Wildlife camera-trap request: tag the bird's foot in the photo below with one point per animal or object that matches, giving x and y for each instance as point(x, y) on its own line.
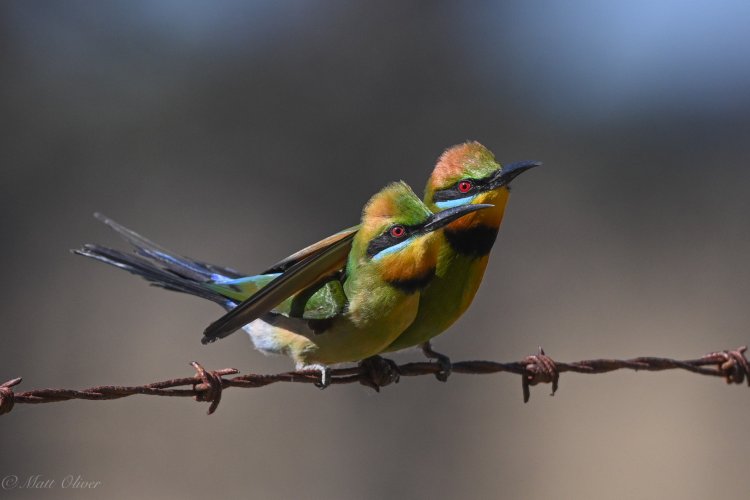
point(325, 377)
point(325, 374)
point(444, 361)
point(378, 372)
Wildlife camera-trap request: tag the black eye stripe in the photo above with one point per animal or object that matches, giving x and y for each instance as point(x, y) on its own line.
point(386, 240)
point(453, 193)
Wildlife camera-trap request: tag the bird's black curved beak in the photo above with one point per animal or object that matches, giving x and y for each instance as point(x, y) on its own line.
point(511, 171)
point(440, 219)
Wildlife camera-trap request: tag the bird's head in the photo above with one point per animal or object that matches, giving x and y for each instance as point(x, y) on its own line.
point(396, 237)
point(469, 174)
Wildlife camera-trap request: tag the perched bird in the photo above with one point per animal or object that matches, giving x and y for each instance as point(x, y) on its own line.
point(465, 174)
point(340, 317)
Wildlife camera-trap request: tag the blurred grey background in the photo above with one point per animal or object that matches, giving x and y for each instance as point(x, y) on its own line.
point(237, 132)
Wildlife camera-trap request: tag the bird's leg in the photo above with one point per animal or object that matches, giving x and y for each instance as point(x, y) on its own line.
point(444, 361)
point(379, 372)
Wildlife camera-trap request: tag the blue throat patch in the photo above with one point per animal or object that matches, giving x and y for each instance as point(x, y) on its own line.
point(455, 203)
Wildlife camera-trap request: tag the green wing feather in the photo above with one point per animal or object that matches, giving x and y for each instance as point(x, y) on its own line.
point(310, 250)
point(316, 268)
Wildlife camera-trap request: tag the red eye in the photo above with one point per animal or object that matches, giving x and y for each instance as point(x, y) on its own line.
point(465, 186)
point(398, 231)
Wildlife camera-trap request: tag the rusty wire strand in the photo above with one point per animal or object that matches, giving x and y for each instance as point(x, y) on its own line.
point(378, 372)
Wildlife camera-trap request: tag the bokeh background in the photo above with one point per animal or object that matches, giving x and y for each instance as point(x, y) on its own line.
point(237, 132)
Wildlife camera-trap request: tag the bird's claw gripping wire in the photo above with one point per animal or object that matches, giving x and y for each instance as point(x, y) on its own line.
point(446, 367)
point(325, 377)
point(378, 372)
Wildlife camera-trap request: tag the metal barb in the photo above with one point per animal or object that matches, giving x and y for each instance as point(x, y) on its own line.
point(213, 384)
point(539, 369)
point(733, 365)
point(7, 397)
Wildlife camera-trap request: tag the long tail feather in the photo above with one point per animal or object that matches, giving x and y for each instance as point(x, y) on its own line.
point(182, 266)
point(160, 266)
point(150, 272)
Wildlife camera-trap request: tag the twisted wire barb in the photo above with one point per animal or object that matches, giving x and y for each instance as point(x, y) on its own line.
point(377, 372)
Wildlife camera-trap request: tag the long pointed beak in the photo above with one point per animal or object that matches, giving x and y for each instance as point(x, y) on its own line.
point(511, 171)
point(440, 219)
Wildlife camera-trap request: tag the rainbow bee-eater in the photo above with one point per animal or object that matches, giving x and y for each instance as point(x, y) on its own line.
point(465, 174)
point(341, 317)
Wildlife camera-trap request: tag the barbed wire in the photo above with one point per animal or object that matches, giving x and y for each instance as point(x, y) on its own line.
point(377, 372)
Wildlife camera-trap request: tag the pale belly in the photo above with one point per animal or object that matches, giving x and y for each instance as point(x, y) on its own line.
point(347, 339)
